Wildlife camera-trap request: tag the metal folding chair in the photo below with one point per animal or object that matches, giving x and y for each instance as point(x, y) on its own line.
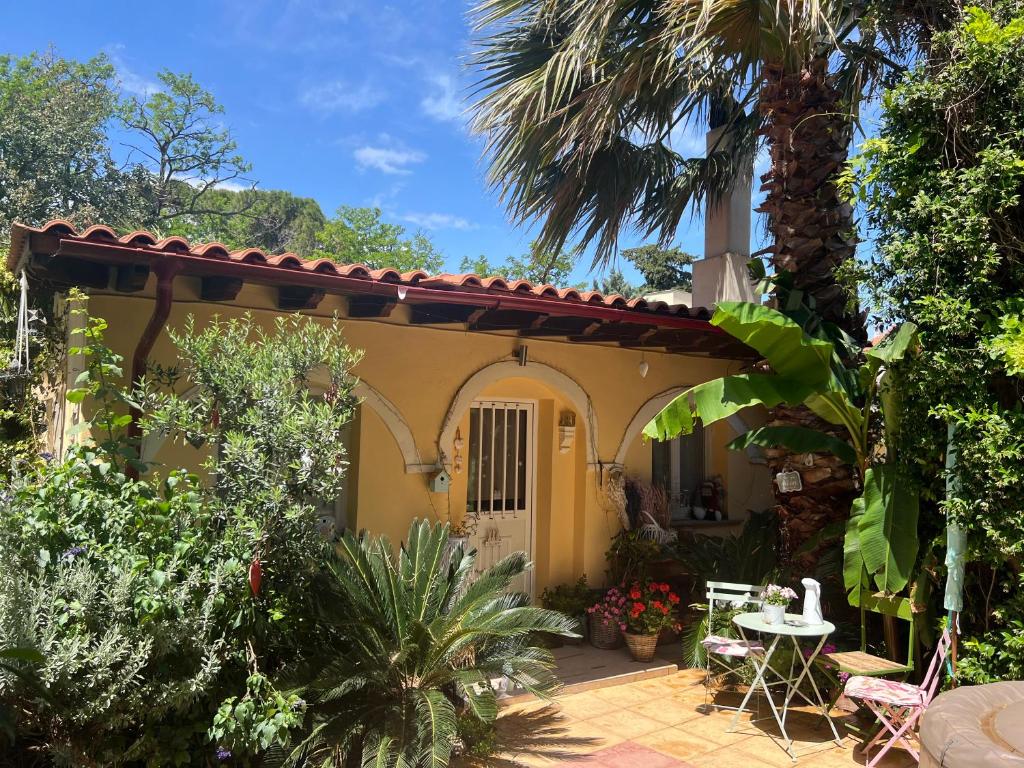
point(898, 706)
point(718, 648)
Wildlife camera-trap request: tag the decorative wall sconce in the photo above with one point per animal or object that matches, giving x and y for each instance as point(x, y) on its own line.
point(457, 459)
point(566, 431)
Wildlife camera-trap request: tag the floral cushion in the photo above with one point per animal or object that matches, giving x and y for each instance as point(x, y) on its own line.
point(731, 646)
point(884, 691)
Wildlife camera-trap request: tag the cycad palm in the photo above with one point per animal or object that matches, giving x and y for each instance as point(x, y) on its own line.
point(419, 633)
point(581, 101)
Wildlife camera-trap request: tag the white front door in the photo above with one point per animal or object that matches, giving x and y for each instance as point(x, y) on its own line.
point(501, 476)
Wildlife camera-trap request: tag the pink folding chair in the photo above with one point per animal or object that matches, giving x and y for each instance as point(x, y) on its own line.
point(898, 706)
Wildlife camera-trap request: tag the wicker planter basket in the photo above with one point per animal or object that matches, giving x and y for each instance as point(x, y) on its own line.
point(642, 647)
point(604, 635)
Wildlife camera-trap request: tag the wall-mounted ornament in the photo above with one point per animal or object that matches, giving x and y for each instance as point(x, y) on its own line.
point(789, 481)
point(644, 366)
point(566, 431)
point(457, 445)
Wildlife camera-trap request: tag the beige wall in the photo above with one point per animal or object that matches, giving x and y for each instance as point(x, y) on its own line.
point(420, 371)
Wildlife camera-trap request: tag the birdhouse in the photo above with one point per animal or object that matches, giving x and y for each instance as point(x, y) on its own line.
point(440, 481)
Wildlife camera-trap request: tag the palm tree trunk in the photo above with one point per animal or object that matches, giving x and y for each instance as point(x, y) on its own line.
point(808, 132)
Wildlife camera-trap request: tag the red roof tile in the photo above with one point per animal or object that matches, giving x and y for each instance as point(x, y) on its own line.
point(148, 247)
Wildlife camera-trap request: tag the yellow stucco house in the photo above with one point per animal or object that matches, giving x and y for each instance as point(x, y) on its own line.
point(515, 404)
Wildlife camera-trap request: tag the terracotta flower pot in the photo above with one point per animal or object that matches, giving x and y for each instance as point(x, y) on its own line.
point(642, 647)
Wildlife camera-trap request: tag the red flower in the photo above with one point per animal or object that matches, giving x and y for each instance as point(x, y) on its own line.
point(639, 607)
point(664, 588)
point(657, 604)
point(673, 598)
point(635, 593)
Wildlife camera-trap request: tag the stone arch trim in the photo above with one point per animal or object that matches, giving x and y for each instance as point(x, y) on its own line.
point(652, 407)
point(508, 369)
point(644, 414)
point(396, 424)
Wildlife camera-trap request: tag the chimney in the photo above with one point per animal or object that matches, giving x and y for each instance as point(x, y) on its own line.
point(722, 274)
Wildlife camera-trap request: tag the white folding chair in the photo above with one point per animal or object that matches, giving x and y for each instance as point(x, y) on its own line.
point(718, 648)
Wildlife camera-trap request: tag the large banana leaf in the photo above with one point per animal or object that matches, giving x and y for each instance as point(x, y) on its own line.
point(782, 342)
point(888, 528)
point(798, 440)
point(853, 560)
point(894, 347)
point(720, 398)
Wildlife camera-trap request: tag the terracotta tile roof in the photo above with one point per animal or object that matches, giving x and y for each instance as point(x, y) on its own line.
point(148, 244)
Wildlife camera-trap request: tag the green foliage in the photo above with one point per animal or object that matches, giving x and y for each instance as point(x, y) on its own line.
point(942, 185)
point(537, 266)
point(262, 718)
point(615, 282)
point(55, 159)
point(358, 236)
point(177, 136)
point(139, 593)
point(747, 557)
point(630, 557)
point(881, 538)
point(570, 599)
point(273, 220)
point(992, 655)
point(421, 634)
point(479, 738)
point(662, 268)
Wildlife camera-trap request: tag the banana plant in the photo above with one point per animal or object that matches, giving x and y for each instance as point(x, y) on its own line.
point(798, 369)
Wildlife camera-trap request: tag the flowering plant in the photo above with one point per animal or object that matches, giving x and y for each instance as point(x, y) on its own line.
point(610, 609)
point(650, 608)
point(773, 594)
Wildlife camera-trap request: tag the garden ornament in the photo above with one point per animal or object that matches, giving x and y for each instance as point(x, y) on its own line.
point(812, 603)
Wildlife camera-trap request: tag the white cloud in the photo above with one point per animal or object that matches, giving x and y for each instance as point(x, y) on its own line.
point(388, 158)
point(129, 80)
point(443, 102)
point(339, 95)
point(688, 140)
point(437, 221)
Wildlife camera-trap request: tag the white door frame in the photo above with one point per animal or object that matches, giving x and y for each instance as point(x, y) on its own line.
point(531, 407)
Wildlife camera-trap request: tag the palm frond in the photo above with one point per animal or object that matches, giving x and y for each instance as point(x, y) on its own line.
point(415, 631)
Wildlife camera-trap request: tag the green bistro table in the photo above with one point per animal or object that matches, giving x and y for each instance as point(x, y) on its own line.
point(795, 629)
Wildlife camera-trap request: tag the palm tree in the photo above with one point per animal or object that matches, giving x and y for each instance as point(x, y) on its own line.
point(420, 639)
point(583, 103)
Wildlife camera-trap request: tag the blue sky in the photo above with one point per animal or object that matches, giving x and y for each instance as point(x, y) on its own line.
point(346, 101)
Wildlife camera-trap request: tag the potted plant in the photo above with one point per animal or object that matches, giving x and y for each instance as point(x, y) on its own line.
point(774, 601)
point(651, 608)
point(607, 619)
point(572, 600)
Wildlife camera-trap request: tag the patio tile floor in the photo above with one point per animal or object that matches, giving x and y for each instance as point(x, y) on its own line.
point(660, 723)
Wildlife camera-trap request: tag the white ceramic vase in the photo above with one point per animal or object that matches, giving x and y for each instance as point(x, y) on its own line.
point(774, 614)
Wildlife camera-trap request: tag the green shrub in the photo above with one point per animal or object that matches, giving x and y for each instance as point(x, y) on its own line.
point(160, 647)
point(944, 188)
point(570, 599)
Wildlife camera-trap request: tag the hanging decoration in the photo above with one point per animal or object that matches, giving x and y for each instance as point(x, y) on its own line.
point(18, 370)
point(789, 480)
